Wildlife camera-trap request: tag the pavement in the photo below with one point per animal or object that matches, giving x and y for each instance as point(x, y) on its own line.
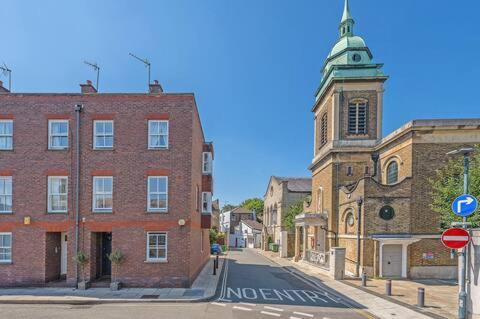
point(203, 288)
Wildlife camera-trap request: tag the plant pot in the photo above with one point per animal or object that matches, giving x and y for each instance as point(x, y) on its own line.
point(114, 286)
point(83, 285)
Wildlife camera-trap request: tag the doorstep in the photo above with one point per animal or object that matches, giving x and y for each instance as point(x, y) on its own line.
point(203, 288)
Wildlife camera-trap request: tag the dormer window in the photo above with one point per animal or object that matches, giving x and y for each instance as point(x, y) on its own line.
point(357, 117)
point(207, 163)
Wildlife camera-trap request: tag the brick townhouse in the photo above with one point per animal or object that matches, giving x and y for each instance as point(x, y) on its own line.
point(97, 173)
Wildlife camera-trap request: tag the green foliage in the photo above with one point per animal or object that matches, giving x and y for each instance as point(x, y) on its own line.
point(255, 204)
point(213, 234)
point(116, 257)
point(80, 258)
point(447, 184)
point(292, 211)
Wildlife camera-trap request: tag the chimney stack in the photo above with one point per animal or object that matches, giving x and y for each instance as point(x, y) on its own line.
point(88, 88)
point(155, 88)
point(3, 89)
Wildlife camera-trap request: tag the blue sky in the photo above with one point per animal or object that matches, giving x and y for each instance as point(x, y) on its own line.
point(253, 65)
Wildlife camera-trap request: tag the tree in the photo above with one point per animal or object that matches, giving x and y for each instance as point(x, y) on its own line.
point(447, 184)
point(292, 211)
point(255, 204)
point(228, 207)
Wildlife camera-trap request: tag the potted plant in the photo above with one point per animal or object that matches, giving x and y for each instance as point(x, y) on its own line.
point(116, 258)
point(81, 259)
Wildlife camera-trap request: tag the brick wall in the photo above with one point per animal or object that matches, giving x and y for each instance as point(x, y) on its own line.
point(129, 162)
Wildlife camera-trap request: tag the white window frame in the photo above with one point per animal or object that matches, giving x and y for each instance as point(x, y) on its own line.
point(207, 199)
point(156, 210)
point(95, 192)
point(153, 147)
point(7, 261)
point(50, 136)
point(6, 195)
point(7, 136)
point(157, 246)
point(50, 194)
point(207, 163)
point(96, 135)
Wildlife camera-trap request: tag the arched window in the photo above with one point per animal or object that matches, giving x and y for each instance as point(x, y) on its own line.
point(357, 117)
point(392, 172)
point(349, 222)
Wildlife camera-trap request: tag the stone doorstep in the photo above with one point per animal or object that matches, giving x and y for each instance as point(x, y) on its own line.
point(203, 288)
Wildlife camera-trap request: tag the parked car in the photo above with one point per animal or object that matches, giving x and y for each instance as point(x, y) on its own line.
point(215, 249)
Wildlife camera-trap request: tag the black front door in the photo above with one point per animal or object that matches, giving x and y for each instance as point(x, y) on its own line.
point(106, 251)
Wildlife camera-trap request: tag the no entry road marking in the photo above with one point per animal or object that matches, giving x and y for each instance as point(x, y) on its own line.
point(268, 294)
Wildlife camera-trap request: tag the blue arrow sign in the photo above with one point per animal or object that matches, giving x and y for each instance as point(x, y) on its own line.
point(464, 205)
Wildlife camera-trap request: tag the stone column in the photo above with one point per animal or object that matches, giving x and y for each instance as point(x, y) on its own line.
point(297, 243)
point(315, 238)
point(305, 241)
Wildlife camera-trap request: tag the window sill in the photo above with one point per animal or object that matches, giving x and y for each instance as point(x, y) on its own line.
point(6, 262)
point(57, 212)
point(158, 148)
point(6, 213)
point(102, 211)
point(156, 261)
point(157, 211)
point(6, 149)
point(103, 148)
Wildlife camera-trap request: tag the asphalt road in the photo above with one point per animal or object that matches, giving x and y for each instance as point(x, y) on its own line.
point(252, 287)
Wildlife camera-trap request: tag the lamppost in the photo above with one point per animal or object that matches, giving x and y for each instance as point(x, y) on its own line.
point(462, 257)
point(359, 227)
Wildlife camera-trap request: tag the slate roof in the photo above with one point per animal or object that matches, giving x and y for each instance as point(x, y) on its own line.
point(253, 224)
point(297, 184)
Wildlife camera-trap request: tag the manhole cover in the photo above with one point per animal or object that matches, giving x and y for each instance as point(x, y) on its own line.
point(149, 296)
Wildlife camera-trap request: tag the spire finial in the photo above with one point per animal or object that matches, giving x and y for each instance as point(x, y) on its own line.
point(346, 25)
point(346, 12)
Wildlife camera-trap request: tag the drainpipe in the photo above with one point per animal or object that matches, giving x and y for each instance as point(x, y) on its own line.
point(375, 157)
point(359, 227)
point(78, 109)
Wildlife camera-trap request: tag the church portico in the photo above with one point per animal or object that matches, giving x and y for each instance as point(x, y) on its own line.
point(311, 238)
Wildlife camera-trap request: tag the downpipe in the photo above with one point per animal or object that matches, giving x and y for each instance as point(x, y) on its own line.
point(78, 110)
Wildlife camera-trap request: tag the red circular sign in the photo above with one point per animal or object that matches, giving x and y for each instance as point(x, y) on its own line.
point(455, 238)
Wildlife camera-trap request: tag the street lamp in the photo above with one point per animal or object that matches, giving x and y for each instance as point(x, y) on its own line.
point(462, 258)
point(359, 223)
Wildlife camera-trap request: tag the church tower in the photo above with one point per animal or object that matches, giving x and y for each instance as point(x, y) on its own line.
point(349, 100)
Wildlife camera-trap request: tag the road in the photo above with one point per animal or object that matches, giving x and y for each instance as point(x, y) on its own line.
point(252, 287)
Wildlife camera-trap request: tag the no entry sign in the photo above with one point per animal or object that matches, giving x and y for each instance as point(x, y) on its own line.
point(455, 238)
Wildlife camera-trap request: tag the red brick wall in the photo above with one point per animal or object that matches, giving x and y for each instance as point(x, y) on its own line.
point(130, 162)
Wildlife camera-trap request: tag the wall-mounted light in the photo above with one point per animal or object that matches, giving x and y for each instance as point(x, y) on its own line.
point(181, 222)
point(27, 220)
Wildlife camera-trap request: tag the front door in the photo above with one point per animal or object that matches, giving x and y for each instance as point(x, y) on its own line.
point(392, 261)
point(63, 256)
point(106, 250)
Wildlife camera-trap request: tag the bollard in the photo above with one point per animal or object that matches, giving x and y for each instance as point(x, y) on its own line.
point(388, 287)
point(214, 268)
point(217, 260)
point(421, 297)
point(364, 280)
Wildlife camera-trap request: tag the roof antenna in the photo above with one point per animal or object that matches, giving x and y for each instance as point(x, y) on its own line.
point(96, 68)
point(144, 61)
point(6, 70)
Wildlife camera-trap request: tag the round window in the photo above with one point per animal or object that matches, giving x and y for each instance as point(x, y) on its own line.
point(350, 220)
point(356, 57)
point(387, 212)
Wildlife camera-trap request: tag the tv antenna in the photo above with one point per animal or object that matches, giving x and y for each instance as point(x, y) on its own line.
point(144, 61)
point(5, 71)
point(96, 68)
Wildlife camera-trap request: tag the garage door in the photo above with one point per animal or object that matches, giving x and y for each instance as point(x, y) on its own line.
point(392, 261)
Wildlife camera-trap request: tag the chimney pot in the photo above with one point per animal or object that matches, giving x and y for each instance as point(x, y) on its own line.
point(88, 88)
point(155, 87)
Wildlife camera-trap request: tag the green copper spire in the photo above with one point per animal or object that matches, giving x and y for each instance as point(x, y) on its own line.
point(346, 25)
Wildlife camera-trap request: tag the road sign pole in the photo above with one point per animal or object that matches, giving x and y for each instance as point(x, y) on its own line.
point(462, 258)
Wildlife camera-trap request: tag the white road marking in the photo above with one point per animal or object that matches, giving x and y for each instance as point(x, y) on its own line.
point(273, 308)
point(303, 314)
point(270, 313)
point(242, 308)
point(292, 317)
point(218, 304)
point(248, 304)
